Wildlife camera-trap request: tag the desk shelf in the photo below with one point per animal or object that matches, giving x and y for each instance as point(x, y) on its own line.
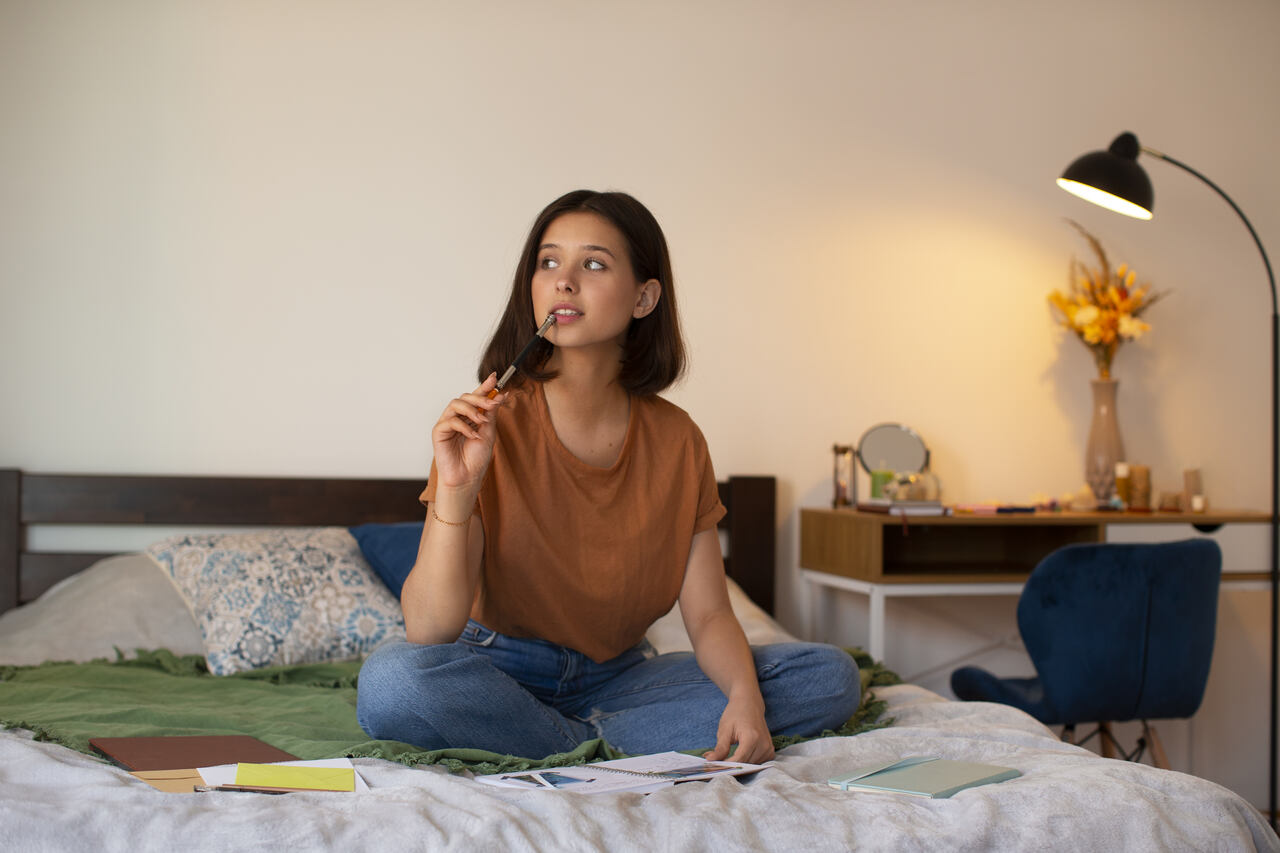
point(871, 554)
point(964, 548)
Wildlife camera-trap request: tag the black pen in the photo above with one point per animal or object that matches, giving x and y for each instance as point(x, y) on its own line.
point(542, 330)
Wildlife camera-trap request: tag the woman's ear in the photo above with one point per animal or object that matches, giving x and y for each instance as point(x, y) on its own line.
point(647, 300)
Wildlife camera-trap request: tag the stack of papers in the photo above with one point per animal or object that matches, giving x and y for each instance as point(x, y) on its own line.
point(892, 507)
point(327, 774)
point(182, 764)
point(640, 774)
point(330, 774)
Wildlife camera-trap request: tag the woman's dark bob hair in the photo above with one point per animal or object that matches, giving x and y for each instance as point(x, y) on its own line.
point(653, 355)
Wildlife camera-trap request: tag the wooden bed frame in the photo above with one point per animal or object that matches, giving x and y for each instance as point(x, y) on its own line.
point(27, 499)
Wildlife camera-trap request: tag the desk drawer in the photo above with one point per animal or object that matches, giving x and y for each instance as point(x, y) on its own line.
point(880, 549)
point(923, 553)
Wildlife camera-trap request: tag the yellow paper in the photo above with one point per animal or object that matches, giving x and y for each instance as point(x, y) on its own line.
point(304, 778)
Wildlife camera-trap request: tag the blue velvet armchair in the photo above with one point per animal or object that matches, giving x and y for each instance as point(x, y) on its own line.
point(1116, 632)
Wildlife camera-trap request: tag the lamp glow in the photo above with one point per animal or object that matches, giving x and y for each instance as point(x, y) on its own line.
point(1102, 198)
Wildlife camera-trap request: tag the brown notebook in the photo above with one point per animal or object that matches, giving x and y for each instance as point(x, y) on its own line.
point(187, 751)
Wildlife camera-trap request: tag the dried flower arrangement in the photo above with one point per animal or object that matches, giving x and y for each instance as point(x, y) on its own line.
point(1102, 306)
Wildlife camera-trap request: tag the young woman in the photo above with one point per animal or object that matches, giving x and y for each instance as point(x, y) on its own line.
point(568, 513)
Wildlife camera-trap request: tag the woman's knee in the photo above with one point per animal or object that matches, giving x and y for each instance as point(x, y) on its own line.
point(816, 682)
point(389, 666)
point(838, 672)
point(395, 685)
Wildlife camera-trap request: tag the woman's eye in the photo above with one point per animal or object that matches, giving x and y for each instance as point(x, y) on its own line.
point(592, 264)
point(548, 263)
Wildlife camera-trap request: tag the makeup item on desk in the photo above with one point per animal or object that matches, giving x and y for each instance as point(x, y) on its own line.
point(1083, 501)
point(510, 371)
point(1193, 489)
point(1122, 482)
point(880, 479)
point(1139, 488)
point(992, 509)
point(976, 509)
point(842, 475)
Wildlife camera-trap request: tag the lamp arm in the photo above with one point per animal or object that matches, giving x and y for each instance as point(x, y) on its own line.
point(1272, 783)
point(1266, 262)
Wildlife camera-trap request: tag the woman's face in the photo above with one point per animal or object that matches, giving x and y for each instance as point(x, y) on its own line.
point(583, 275)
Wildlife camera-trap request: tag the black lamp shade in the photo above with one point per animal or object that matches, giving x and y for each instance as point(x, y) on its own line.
point(1112, 178)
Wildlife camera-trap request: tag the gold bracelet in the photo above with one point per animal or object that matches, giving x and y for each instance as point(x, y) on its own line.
point(448, 523)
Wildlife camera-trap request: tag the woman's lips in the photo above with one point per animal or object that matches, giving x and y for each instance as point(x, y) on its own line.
point(566, 314)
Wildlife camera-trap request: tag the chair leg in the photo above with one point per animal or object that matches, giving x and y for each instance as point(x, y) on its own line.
point(1108, 742)
point(1158, 757)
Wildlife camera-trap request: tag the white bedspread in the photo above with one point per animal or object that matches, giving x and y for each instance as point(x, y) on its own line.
point(52, 798)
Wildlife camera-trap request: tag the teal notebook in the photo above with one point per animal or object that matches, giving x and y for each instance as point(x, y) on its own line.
point(922, 776)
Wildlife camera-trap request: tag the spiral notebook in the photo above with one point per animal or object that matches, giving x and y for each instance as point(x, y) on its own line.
point(641, 774)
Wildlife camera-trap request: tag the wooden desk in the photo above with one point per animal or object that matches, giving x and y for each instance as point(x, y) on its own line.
point(879, 556)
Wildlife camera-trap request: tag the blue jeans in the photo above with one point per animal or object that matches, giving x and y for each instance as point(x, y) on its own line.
point(531, 698)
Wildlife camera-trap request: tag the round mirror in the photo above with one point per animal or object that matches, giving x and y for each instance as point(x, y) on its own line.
point(892, 447)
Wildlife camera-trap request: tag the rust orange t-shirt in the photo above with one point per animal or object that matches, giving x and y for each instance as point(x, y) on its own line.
point(589, 557)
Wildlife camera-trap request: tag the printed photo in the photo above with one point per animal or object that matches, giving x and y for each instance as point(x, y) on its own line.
point(708, 767)
point(559, 780)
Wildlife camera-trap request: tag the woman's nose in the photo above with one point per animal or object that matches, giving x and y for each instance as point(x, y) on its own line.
point(566, 284)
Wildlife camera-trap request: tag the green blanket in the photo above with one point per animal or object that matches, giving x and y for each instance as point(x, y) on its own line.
point(308, 710)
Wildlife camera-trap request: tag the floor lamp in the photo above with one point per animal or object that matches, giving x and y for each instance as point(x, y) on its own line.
point(1114, 180)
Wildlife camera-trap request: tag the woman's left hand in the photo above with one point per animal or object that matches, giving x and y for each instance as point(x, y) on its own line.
point(742, 723)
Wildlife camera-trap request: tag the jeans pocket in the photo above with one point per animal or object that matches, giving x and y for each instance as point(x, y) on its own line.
point(475, 634)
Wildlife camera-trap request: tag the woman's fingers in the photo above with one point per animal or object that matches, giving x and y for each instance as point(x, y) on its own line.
point(489, 384)
point(481, 399)
point(467, 413)
point(445, 427)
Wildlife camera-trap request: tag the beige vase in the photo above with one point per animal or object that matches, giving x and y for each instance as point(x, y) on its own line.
point(1105, 447)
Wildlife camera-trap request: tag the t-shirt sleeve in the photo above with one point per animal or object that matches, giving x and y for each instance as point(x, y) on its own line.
point(429, 493)
point(710, 510)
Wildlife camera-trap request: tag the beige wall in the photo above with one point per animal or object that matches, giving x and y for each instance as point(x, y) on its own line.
point(272, 237)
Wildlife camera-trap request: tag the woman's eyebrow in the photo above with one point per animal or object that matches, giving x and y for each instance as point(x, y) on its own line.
point(588, 247)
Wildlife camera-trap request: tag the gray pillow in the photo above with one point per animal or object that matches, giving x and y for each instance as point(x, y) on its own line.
point(125, 602)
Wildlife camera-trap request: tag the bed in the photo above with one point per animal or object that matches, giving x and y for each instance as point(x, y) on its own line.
point(107, 629)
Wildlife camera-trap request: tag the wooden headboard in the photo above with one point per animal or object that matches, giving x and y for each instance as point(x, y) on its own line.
point(39, 499)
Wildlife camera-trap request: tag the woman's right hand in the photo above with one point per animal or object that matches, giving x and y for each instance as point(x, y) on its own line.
point(463, 437)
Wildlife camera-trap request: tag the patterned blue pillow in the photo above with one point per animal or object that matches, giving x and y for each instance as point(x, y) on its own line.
point(285, 596)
